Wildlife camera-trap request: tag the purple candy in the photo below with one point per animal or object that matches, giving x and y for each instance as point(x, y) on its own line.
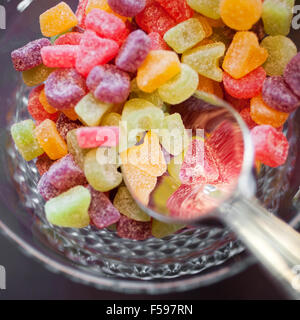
point(131, 229)
point(64, 125)
point(292, 74)
point(102, 212)
point(109, 84)
point(134, 51)
point(64, 88)
point(46, 189)
point(29, 56)
point(278, 96)
point(127, 8)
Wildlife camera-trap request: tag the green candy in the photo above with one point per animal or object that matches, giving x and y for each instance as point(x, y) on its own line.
point(161, 229)
point(73, 148)
point(209, 8)
point(37, 75)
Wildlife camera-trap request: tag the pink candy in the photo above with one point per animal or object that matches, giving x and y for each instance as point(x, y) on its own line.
point(61, 56)
point(131, 229)
point(72, 38)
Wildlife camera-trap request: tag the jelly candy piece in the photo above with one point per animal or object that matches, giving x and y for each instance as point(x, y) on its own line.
point(64, 88)
point(43, 163)
point(50, 140)
point(29, 56)
point(261, 113)
point(109, 84)
point(205, 24)
point(24, 138)
point(159, 67)
point(161, 230)
point(176, 200)
point(246, 116)
point(174, 167)
point(240, 14)
point(102, 212)
point(57, 20)
point(70, 38)
point(102, 5)
point(62, 56)
point(180, 87)
point(246, 87)
point(155, 19)
point(134, 51)
point(90, 110)
point(281, 50)
point(185, 35)
point(148, 156)
point(292, 74)
point(205, 60)
point(36, 109)
point(124, 202)
point(106, 25)
point(71, 114)
point(37, 75)
point(210, 8)
point(46, 189)
point(244, 55)
point(70, 209)
point(271, 146)
point(102, 177)
point(278, 96)
point(205, 84)
point(80, 12)
point(127, 8)
point(277, 16)
point(73, 148)
point(173, 136)
point(131, 229)
point(44, 102)
point(93, 137)
point(94, 51)
point(237, 104)
point(215, 23)
point(177, 9)
point(157, 41)
point(64, 125)
point(111, 119)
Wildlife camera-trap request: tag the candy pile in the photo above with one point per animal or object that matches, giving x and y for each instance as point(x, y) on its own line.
point(132, 61)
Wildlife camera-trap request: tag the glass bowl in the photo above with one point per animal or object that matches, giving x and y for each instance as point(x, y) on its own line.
point(189, 259)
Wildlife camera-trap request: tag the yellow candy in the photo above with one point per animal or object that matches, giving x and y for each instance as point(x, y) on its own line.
point(209, 8)
point(102, 5)
point(44, 102)
point(36, 76)
point(111, 119)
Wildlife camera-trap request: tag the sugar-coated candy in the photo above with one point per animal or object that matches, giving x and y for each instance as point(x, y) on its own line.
point(94, 51)
point(70, 209)
point(278, 96)
point(127, 8)
point(111, 119)
point(101, 211)
point(50, 140)
point(205, 24)
point(133, 51)
point(174, 167)
point(292, 74)
point(64, 88)
point(246, 116)
point(37, 75)
point(36, 109)
point(80, 12)
point(109, 84)
point(43, 100)
point(57, 20)
point(43, 163)
point(73, 148)
point(62, 56)
point(25, 140)
point(277, 16)
point(154, 18)
point(29, 56)
point(246, 87)
point(101, 176)
point(244, 55)
point(271, 146)
point(240, 14)
point(71, 38)
point(205, 60)
point(159, 67)
point(131, 229)
point(161, 230)
point(210, 8)
point(261, 113)
point(64, 125)
point(180, 87)
point(177, 9)
point(281, 50)
point(93, 137)
point(124, 202)
point(185, 35)
point(90, 110)
point(157, 41)
point(46, 189)
point(71, 114)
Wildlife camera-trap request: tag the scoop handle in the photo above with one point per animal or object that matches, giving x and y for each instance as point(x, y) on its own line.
point(272, 241)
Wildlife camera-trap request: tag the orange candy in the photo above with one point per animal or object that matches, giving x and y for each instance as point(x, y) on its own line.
point(244, 55)
point(205, 24)
point(57, 20)
point(71, 114)
point(159, 67)
point(261, 113)
point(50, 140)
point(44, 102)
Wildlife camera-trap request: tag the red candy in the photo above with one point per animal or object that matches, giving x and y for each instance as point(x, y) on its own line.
point(157, 42)
point(80, 12)
point(271, 146)
point(131, 229)
point(94, 51)
point(43, 163)
point(154, 18)
point(246, 116)
point(62, 56)
point(72, 38)
point(247, 87)
point(177, 9)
